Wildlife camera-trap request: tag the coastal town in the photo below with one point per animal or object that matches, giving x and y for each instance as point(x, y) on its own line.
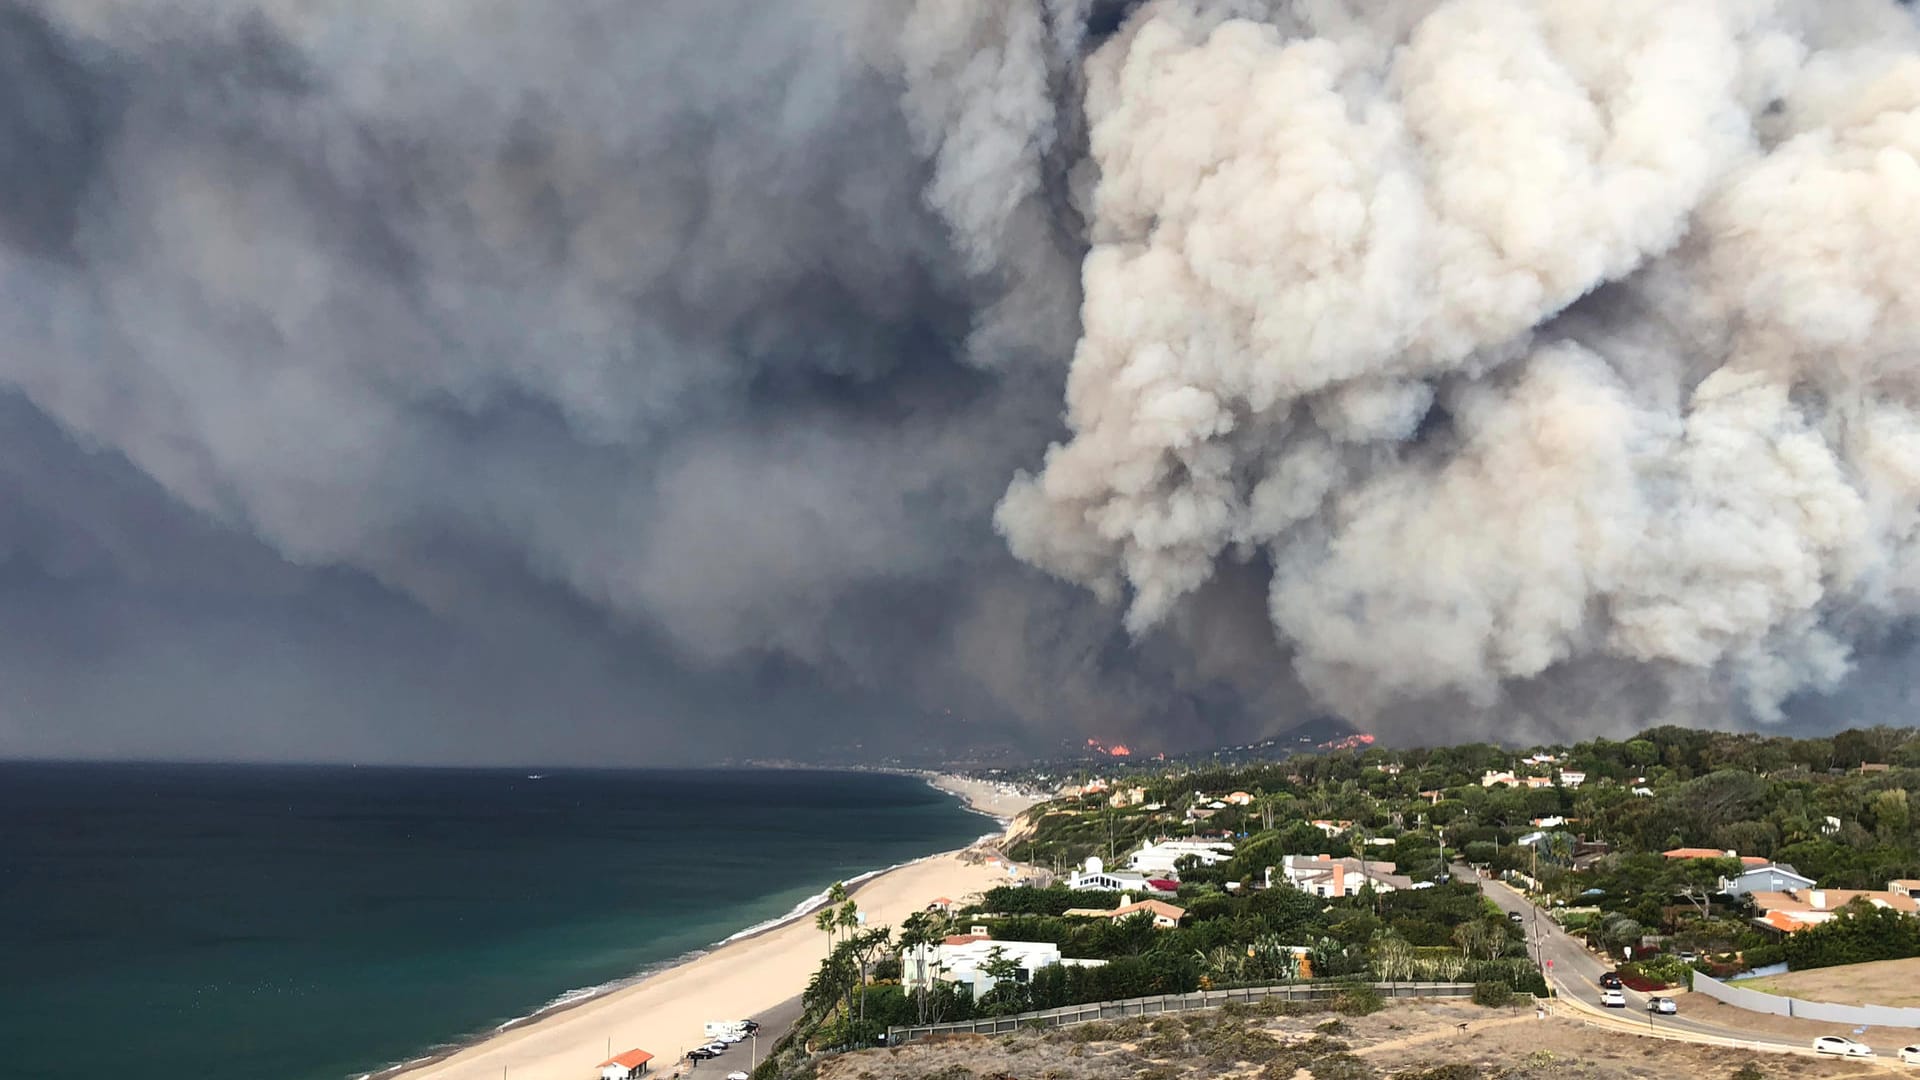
point(1681, 882)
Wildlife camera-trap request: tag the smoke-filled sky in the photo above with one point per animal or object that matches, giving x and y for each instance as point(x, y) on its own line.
point(474, 380)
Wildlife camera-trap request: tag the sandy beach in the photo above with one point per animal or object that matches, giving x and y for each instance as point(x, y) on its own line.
point(1003, 802)
point(664, 1013)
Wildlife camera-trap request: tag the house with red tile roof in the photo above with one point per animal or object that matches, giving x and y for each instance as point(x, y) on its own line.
point(1698, 853)
point(625, 1066)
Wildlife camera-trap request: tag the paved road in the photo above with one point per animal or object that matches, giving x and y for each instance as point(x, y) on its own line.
point(1575, 973)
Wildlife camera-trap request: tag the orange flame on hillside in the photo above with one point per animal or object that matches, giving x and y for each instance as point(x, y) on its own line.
point(1119, 750)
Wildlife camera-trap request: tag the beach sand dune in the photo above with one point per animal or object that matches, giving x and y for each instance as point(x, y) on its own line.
point(665, 1013)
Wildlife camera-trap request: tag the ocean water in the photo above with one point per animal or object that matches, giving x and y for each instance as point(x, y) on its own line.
point(285, 923)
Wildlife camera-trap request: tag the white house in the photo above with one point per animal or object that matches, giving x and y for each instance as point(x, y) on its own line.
point(1572, 778)
point(1097, 876)
point(1768, 877)
point(1323, 875)
point(1158, 859)
point(963, 959)
point(1492, 777)
point(625, 1066)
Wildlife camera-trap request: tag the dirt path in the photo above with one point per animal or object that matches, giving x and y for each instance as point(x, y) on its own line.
point(1462, 1031)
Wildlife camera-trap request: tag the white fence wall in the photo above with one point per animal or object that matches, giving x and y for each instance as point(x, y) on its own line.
point(1755, 1001)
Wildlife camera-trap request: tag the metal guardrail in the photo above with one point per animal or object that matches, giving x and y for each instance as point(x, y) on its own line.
point(1582, 1013)
point(1068, 1015)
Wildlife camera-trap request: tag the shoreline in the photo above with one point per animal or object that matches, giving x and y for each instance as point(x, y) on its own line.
point(622, 1002)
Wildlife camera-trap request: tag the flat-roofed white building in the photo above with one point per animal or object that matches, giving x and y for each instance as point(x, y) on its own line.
point(1158, 859)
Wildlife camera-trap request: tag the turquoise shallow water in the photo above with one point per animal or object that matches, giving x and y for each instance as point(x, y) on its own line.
point(220, 923)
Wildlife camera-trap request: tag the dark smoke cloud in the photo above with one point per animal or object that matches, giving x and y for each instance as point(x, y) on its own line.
point(599, 381)
point(474, 381)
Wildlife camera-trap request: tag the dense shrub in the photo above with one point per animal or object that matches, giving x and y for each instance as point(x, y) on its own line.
point(1856, 935)
point(1494, 995)
point(1357, 999)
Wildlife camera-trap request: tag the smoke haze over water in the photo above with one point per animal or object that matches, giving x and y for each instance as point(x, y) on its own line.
point(600, 381)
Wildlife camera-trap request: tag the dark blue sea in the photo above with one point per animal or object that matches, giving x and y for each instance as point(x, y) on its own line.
point(308, 923)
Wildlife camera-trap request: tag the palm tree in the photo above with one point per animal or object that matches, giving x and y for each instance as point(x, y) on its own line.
point(823, 920)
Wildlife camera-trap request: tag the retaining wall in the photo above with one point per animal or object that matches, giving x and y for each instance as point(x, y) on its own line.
point(1777, 1005)
point(1166, 1003)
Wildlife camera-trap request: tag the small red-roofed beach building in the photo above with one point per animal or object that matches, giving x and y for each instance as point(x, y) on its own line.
point(625, 1066)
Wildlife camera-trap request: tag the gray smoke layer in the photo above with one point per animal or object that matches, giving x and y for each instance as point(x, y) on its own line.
point(599, 376)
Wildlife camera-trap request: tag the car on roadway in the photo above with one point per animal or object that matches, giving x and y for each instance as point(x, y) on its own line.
point(1910, 1054)
point(716, 1047)
point(700, 1053)
point(737, 1075)
point(1610, 980)
point(1665, 1006)
point(1613, 999)
point(1834, 1044)
point(1514, 916)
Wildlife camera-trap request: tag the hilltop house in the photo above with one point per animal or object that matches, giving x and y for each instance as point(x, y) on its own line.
point(1165, 916)
point(1159, 858)
point(1699, 853)
point(1767, 877)
point(1096, 878)
point(962, 958)
point(1800, 908)
point(1331, 828)
point(1324, 875)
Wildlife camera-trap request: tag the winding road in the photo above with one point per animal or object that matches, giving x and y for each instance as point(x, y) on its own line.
point(1574, 973)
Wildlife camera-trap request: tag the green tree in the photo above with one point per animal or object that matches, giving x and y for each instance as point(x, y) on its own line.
point(1891, 817)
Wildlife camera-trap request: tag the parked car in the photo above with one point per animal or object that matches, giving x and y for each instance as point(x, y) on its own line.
point(1613, 999)
point(1514, 916)
point(1610, 980)
point(752, 1026)
point(1834, 1044)
point(737, 1075)
point(717, 1047)
point(1666, 1006)
point(700, 1053)
point(1910, 1054)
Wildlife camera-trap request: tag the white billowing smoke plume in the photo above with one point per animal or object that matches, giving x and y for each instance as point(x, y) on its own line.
point(1515, 336)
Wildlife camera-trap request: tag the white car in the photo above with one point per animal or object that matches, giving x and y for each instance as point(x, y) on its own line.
point(737, 1075)
point(1834, 1044)
point(1613, 999)
point(1910, 1055)
point(716, 1047)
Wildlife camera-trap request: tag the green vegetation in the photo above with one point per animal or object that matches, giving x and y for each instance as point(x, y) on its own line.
point(1492, 994)
point(1858, 933)
point(1591, 857)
